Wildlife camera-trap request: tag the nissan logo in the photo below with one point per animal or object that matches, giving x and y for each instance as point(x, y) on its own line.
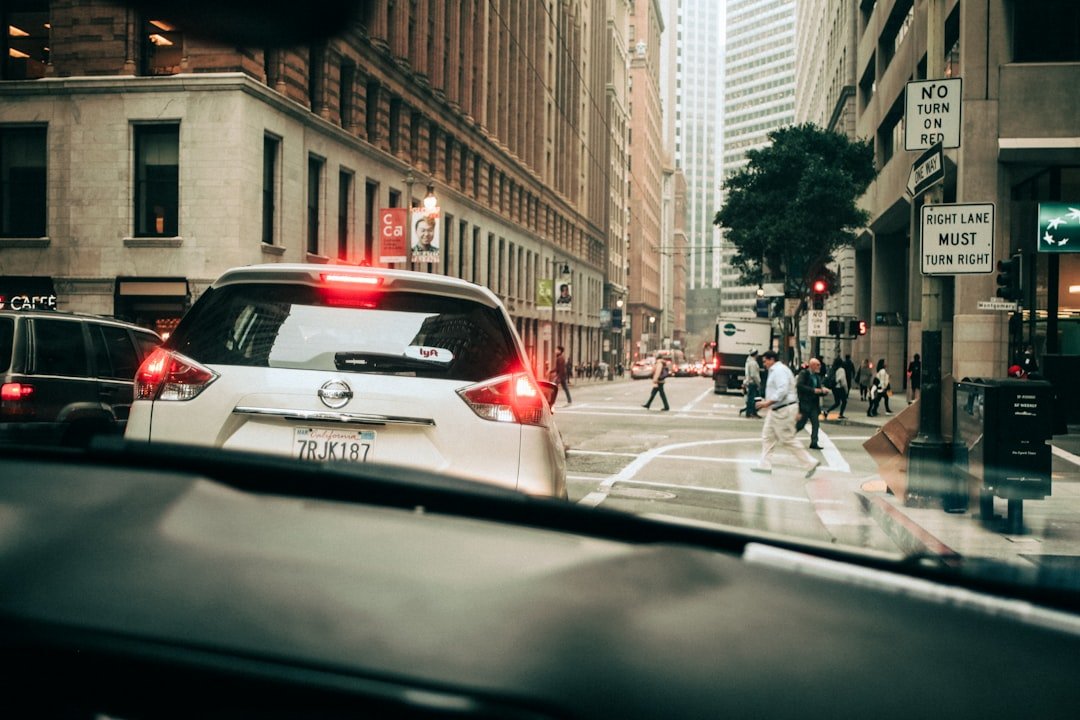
point(335, 394)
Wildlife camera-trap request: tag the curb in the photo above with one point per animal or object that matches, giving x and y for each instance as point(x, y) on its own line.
point(909, 536)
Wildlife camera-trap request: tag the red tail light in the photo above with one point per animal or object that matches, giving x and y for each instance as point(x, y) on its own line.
point(14, 392)
point(166, 375)
point(510, 398)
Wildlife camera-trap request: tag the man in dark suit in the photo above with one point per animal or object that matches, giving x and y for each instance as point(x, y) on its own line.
point(810, 389)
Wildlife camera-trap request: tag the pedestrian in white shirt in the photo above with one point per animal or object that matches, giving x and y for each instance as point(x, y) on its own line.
point(782, 402)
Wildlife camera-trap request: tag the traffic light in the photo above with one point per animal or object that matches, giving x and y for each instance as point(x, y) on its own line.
point(836, 328)
point(819, 288)
point(855, 328)
point(1008, 279)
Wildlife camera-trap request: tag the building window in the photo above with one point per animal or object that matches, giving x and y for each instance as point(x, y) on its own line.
point(271, 58)
point(1037, 38)
point(344, 212)
point(271, 146)
point(22, 182)
point(395, 125)
point(162, 48)
point(316, 76)
point(157, 180)
point(348, 88)
point(371, 197)
point(314, 184)
point(26, 48)
point(371, 111)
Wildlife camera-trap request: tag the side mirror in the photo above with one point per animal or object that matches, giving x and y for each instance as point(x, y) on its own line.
point(550, 390)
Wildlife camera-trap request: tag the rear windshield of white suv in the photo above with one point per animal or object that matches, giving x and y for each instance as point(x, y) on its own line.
point(302, 327)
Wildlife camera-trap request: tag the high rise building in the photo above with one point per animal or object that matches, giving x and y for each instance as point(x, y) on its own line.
point(759, 96)
point(693, 102)
point(646, 168)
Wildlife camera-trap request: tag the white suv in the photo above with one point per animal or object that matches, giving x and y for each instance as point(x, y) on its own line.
point(354, 364)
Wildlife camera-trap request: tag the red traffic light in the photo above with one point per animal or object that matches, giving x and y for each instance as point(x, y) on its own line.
point(820, 286)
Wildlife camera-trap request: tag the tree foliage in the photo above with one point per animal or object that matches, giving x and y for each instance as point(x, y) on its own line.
point(793, 204)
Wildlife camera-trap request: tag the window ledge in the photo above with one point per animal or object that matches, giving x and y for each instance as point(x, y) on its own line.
point(312, 258)
point(153, 242)
point(276, 250)
point(41, 242)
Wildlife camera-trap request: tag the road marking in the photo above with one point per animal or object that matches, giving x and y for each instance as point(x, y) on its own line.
point(695, 401)
point(833, 456)
point(631, 469)
point(1065, 455)
point(724, 491)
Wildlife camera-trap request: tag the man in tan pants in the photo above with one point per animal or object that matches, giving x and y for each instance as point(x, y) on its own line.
point(782, 402)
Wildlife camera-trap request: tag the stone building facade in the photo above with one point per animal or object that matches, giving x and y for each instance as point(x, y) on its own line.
point(145, 160)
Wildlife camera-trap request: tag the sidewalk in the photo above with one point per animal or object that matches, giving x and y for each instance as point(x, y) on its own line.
point(1049, 544)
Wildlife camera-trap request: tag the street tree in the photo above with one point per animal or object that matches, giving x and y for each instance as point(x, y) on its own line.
point(794, 204)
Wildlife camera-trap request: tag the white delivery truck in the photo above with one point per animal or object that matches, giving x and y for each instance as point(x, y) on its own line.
point(731, 344)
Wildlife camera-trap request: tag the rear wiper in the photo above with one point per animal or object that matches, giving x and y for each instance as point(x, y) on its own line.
point(383, 362)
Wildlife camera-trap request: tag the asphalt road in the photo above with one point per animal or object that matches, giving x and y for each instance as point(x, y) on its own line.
point(694, 463)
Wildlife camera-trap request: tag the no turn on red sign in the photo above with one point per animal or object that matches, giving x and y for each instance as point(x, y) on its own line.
point(932, 114)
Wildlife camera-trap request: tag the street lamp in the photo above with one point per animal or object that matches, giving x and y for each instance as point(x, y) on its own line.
point(652, 329)
point(554, 301)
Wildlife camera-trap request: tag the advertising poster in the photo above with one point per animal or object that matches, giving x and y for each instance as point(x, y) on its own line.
point(564, 299)
point(426, 227)
point(393, 237)
point(543, 293)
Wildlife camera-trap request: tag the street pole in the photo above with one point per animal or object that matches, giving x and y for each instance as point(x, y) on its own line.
point(554, 272)
point(929, 456)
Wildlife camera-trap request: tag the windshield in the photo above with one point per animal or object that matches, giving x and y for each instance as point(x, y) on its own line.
point(848, 228)
point(302, 327)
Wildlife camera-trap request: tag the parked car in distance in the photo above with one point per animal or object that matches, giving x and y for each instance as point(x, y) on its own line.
point(355, 364)
point(642, 369)
point(66, 377)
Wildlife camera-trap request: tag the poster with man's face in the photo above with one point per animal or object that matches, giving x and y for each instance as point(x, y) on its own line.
point(424, 239)
point(564, 296)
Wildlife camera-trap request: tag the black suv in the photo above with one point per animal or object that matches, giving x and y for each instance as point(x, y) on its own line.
point(67, 377)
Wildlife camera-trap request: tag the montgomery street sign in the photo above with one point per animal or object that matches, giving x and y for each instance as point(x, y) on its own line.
point(1059, 227)
point(995, 304)
point(958, 239)
point(928, 170)
point(932, 114)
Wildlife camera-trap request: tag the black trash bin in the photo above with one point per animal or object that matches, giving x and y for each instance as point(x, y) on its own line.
point(1002, 427)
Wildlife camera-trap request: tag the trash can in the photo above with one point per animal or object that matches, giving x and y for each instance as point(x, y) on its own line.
point(1001, 427)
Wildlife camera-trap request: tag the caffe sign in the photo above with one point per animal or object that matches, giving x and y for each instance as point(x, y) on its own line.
point(27, 293)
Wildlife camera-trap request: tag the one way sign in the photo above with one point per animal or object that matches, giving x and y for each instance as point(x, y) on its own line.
point(928, 170)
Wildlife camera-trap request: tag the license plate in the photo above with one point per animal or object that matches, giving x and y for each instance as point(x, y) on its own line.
point(326, 444)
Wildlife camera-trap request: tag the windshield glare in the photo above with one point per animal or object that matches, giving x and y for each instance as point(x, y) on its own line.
point(804, 269)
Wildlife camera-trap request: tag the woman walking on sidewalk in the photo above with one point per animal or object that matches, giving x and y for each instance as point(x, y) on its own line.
point(863, 378)
point(884, 382)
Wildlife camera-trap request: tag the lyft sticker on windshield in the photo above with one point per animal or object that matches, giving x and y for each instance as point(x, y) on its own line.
point(432, 354)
